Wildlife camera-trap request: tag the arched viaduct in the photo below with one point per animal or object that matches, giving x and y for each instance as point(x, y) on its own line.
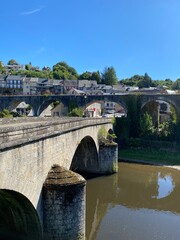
point(39, 103)
point(38, 153)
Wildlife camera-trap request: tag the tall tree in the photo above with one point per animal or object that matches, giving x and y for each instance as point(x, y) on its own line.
point(85, 75)
point(96, 76)
point(109, 76)
point(146, 82)
point(146, 125)
point(62, 70)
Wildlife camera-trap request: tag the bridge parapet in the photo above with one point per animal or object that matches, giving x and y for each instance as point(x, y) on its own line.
point(16, 132)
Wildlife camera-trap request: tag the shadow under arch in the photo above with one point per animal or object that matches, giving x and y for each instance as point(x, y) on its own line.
point(19, 219)
point(50, 101)
point(160, 111)
point(85, 158)
point(19, 107)
point(159, 101)
point(111, 106)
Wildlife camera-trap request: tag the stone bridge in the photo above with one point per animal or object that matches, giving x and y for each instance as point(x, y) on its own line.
point(40, 195)
point(39, 103)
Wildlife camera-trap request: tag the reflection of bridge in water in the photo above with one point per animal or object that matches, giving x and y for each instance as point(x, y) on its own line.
point(135, 187)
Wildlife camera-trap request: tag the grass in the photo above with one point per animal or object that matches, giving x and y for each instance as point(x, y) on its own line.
point(150, 156)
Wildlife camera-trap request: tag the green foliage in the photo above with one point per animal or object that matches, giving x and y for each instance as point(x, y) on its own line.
point(176, 85)
point(173, 114)
point(146, 82)
point(133, 81)
point(5, 114)
point(12, 62)
point(96, 76)
point(153, 155)
point(2, 68)
point(146, 125)
point(91, 76)
point(121, 129)
point(164, 83)
point(55, 103)
point(102, 134)
point(111, 137)
point(106, 138)
point(76, 112)
point(29, 107)
point(72, 105)
point(28, 66)
point(85, 75)
point(15, 114)
point(109, 76)
point(62, 70)
point(152, 109)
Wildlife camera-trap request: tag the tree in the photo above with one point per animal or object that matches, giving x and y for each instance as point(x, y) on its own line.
point(85, 75)
point(109, 76)
point(12, 62)
point(152, 109)
point(28, 66)
point(62, 70)
point(146, 125)
point(2, 68)
point(76, 112)
point(176, 85)
point(96, 76)
point(5, 114)
point(146, 82)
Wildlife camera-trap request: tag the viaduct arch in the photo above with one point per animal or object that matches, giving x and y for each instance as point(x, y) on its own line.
point(39, 103)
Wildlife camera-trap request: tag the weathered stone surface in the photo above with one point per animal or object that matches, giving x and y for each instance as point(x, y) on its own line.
point(25, 164)
point(59, 177)
point(64, 205)
point(108, 158)
point(19, 131)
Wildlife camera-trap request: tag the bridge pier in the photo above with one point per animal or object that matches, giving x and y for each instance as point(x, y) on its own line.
point(64, 205)
point(108, 158)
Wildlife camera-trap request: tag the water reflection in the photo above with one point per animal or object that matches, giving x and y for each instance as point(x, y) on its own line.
point(138, 197)
point(165, 186)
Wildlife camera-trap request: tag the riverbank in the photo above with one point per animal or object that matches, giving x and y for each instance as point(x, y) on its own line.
point(150, 156)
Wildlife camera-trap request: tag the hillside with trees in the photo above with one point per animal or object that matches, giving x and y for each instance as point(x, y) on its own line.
point(62, 70)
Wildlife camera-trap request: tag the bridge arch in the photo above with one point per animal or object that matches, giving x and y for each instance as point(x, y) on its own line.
point(19, 219)
point(160, 111)
point(156, 98)
point(107, 106)
point(85, 158)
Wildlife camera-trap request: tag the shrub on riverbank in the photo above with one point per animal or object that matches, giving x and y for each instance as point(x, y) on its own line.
point(152, 156)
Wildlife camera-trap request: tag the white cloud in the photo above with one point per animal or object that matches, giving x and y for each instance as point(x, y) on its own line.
point(31, 12)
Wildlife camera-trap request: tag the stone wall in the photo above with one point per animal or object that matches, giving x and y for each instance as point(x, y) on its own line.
point(25, 162)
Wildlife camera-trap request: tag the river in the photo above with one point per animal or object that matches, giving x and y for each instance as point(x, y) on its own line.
point(140, 202)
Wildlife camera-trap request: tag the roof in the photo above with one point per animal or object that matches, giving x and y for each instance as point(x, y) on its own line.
point(14, 77)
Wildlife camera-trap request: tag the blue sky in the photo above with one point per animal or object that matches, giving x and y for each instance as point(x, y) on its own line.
point(133, 36)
